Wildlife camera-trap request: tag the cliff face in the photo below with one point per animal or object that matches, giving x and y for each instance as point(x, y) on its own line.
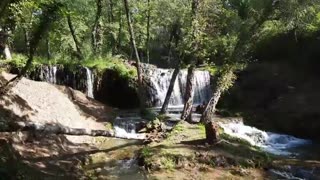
point(108, 86)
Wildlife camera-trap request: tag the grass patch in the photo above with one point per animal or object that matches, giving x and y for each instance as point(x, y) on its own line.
point(232, 139)
point(146, 152)
point(178, 128)
point(202, 128)
point(167, 162)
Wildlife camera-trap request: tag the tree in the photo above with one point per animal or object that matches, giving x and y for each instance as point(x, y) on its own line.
point(50, 12)
point(189, 93)
point(79, 53)
point(134, 46)
point(148, 31)
point(175, 36)
point(96, 30)
point(241, 49)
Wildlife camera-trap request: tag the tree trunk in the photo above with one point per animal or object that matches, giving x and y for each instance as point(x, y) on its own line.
point(113, 39)
point(148, 32)
point(187, 109)
point(48, 48)
point(111, 11)
point(58, 129)
point(207, 117)
point(96, 30)
point(75, 39)
point(170, 89)
point(210, 109)
point(26, 40)
point(211, 129)
point(120, 30)
point(134, 46)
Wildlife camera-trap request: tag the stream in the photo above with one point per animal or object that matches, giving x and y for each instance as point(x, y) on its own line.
point(124, 162)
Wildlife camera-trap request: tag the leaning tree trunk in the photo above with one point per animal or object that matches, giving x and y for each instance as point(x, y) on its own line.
point(211, 127)
point(97, 30)
point(224, 82)
point(208, 113)
point(134, 46)
point(187, 109)
point(170, 89)
point(74, 36)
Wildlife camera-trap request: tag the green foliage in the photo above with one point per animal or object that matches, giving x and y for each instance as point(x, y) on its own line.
point(234, 139)
point(146, 152)
point(149, 115)
point(111, 62)
point(202, 127)
point(168, 163)
point(177, 129)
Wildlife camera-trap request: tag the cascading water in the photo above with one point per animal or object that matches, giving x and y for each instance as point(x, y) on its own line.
point(125, 127)
point(160, 81)
point(279, 144)
point(90, 77)
point(49, 74)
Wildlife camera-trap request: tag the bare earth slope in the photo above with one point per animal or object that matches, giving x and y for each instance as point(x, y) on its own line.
point(27, 155)
point(44, 103)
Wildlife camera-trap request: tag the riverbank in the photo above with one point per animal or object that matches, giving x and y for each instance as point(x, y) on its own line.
point(185, 154)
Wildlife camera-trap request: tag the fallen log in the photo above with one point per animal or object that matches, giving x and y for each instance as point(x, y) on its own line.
point(60, 129)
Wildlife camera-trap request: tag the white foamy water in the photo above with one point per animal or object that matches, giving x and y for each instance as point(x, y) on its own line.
point(90, 78)
point(160, 79)
point(122, 133)
point(279, 144)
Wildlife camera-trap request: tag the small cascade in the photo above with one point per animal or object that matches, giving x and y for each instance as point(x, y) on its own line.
point(90, 78)
point(126, 128)
point(202, 93)
point(279, 144)
point(160, 81)
point(49, 74)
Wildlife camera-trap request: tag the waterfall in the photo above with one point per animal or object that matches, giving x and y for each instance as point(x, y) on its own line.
point(49, 74)
point(160, 81)
point(90, 78)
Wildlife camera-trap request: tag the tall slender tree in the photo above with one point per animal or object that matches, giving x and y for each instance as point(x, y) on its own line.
point(148, 31)
point(134, 47)
point(79, 53)
point(174, 36)
point(97, 29)
point(189, 93)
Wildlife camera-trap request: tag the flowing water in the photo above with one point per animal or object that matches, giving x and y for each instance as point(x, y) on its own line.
point(160, 81)
point(278, 144)
point(126, 124)
point(90, 78)
point(49, 74)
